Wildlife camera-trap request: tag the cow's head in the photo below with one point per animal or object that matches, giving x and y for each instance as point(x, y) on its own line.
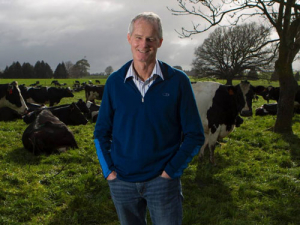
point(14, 99)
point(68, 92)
point(76, 116)
point(245, 93)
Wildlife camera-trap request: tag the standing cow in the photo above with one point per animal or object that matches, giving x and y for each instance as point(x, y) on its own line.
point(10, 96)
point(219, 107)
point(45, 95)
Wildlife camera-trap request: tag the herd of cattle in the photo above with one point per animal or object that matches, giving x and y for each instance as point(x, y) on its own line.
point(220, 107)
point(47, 130)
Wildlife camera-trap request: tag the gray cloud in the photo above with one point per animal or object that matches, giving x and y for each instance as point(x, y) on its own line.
point(68, 30)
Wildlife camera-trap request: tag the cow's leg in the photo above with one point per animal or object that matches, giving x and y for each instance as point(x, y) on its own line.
point(213, 138)
point(201, 153)
point(212, 154)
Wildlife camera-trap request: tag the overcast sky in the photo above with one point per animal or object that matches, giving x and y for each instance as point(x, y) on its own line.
point(68, 30)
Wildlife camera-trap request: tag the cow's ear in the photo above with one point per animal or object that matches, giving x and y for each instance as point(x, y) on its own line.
point(10, 89)
point(231, 90)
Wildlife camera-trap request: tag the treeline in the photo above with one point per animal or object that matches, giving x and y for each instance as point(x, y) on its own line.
point(43, 70)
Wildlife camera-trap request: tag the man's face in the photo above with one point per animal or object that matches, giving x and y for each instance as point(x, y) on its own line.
point(144, 41)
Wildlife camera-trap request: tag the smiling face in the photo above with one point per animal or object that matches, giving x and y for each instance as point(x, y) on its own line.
point(144, 41)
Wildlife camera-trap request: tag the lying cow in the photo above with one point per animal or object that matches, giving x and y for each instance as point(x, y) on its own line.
point(69, 114)
point(93, 92)
point(93, 111)
point(45, 95)
point(266, 109)
point(271, 109)
point(10, 96)
point(219, 107)
point(48, 134)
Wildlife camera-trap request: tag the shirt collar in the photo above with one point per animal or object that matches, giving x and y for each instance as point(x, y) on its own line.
point(156, 71)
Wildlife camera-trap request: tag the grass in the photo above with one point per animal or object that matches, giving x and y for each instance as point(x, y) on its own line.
point(256, 179)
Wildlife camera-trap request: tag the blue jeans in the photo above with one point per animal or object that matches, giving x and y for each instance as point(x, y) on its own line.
point(162, 196)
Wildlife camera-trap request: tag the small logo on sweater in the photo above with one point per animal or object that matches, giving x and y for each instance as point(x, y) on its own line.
point(166, 94)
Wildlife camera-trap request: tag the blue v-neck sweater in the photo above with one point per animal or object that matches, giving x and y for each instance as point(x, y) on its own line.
point(139, 139)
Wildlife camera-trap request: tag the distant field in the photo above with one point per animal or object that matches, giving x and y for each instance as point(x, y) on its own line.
point(256, 179)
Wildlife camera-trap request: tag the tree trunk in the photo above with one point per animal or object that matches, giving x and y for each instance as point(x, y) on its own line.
point(288, 88)
point(228, 81)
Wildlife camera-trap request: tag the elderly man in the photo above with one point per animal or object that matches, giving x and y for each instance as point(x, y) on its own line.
point(148, 130)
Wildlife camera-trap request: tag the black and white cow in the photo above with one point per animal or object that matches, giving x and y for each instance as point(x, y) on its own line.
point(93, 111)
point(45, 95)
point(10, 96)
point(219, 107)
point(93, 92)
point(70, 114)
point(47, 134)
point(266, 109)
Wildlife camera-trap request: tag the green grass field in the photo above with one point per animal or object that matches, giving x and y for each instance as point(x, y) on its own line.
point(256, 179)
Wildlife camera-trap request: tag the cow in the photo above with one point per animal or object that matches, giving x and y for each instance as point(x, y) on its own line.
point(260, 90)
point(93, 92)
point(266, 109)
point(45, 95)
point(93, 111)
point(69, 114)
point(82, 106)
point(271, 109)
point(219, 107)
point(10, 96)
point(35, 84)
point(272, 93)
point(56, 83)
point(47, 134)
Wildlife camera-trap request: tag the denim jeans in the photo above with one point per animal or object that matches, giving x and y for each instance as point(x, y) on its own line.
point(162, 196)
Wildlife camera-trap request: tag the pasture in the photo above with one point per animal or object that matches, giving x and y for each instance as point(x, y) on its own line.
point(256, 179)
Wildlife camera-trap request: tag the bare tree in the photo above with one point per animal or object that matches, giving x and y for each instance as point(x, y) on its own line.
point(228, 52)
point(109, 70)
point(69, 66)
point(282, 15)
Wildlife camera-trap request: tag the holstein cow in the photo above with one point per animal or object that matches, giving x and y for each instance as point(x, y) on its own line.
point(266, 109)
point(69, 114)
point(46, 95)
point(93, 92)
point(93, 111)
point(274, 92)
point(10, 96)
point(48, 134)
point(219, 107)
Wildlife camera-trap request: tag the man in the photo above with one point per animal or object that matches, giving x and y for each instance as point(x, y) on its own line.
point(148, 130)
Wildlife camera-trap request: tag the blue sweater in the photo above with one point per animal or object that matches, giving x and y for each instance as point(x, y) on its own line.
point(140, 139)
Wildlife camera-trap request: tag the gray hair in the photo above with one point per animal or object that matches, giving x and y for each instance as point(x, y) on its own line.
point(150, 17)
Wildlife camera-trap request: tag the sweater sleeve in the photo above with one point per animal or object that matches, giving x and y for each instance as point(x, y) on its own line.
point(103, 132)
point(192, 130)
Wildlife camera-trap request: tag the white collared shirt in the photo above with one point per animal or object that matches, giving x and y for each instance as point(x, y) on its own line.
point(143, 86)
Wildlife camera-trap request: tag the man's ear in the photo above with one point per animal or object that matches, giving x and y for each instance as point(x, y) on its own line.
point(160, 42)
point(128, 38)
